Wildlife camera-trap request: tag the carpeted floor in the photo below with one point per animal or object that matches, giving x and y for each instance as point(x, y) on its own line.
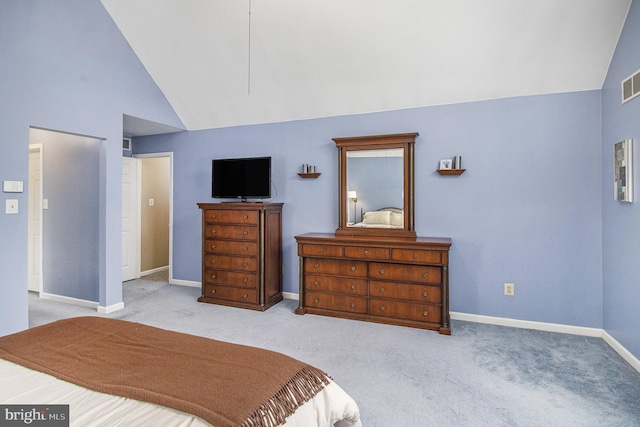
point(482, 375)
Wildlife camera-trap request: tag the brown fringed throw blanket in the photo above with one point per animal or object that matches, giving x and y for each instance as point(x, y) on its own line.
point(225, 384)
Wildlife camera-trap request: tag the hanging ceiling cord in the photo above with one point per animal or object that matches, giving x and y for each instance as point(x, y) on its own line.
point(249, 55)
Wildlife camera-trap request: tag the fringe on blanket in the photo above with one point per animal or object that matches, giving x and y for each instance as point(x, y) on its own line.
point(308, 382)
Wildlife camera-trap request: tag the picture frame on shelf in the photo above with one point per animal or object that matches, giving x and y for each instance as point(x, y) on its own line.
point(446, 164)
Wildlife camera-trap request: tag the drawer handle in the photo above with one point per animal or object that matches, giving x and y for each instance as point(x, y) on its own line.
point(244, 233)
point(213, 231)
point(321, 250)
point(382, 308)
point(245, 280)
point(353, 305)
point(382, 271)
point(213, 216)
point(316, 300)
point(245, 264)
point(353, 286)
point(245, 217)
point(415, 255)
point(425, 313)
point(245, 249)
point(316, 283)
point(213, 291)
point(213, 246)
point(425, 275)
point(383, 289)
point(353, 268)
point(316, 265)
point(213, 261)
point(366, 252)
point(213, 276)
point(425, 293)
point(244, 296)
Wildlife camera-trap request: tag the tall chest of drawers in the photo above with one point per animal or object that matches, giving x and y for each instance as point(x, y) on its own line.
point(242, 254)
point(396, 281)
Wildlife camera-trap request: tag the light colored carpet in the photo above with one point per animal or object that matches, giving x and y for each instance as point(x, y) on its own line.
point(482, 375)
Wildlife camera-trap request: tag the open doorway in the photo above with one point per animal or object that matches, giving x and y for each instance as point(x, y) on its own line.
point(64, 207)
point(154, 216)
point(155, 191)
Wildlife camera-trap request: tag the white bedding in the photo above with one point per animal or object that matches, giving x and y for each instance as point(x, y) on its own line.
point(20, 385)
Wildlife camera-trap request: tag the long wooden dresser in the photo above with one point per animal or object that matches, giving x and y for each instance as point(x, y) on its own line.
point(378, 279)
point(242, 254)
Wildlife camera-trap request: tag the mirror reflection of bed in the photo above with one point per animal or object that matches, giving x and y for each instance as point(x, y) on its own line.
point(387, 217)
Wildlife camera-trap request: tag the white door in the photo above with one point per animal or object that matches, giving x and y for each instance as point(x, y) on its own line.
point(35, 218)
point(130, 233)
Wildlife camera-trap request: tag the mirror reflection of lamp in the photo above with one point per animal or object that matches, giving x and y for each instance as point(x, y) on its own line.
point(351, 194)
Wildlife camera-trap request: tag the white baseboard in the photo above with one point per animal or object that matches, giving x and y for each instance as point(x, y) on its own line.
point(110, 308)
point(526, 324)
point(291, 295)
point(83, 303)
point(619, 348)
point(69, 300)
point(189, 283)
point(154, 270)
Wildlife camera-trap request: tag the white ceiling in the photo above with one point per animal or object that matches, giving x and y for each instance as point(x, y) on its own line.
point(219, 65)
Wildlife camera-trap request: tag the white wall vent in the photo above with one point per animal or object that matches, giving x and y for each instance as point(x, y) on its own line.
point(631, 87)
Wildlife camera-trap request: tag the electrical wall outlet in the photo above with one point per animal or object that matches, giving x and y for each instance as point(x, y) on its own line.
point(509, 289)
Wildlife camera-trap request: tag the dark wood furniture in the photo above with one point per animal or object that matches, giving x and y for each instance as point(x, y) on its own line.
point(242, 254)
point(397, 281)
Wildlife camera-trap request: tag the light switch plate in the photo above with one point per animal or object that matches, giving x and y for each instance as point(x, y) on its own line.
point(11, 206)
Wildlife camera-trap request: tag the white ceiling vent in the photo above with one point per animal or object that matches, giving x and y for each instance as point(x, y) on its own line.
point(631, 87)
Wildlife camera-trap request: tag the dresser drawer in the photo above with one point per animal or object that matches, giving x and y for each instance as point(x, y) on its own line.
point(230, 247)
point(352, 304)
point(231, 294)
point(224, 277)
point(335, 267)
point(237, 232)
point(405, 273)
point(341, 285)
point(222, 216)
point(405, 310)
point(226, 262)
point(417, 255)
point(415, 293)
point(366, 253)
point(321, 250)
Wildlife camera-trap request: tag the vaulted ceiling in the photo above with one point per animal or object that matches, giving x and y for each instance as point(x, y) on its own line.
point(236, 62)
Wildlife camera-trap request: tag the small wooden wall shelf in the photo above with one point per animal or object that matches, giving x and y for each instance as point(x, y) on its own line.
point(309, 174)
point(451, 172)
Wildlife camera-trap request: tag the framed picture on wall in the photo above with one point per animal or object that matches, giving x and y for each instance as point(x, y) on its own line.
point(623, 171)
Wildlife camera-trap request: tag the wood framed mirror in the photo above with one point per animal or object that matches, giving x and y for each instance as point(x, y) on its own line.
point(376, 185)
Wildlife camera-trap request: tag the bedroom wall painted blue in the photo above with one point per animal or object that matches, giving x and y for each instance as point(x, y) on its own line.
point(66, 66)
point(528, 209)
point(621, 221)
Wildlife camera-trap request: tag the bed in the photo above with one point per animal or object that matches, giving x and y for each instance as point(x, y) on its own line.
point(115, 372)
point(381, 218)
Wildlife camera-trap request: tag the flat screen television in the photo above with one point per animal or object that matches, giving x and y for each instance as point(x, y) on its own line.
point(244, 178)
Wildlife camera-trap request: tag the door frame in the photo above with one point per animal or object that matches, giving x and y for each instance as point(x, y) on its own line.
point(168, 154)
point(39, 148)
